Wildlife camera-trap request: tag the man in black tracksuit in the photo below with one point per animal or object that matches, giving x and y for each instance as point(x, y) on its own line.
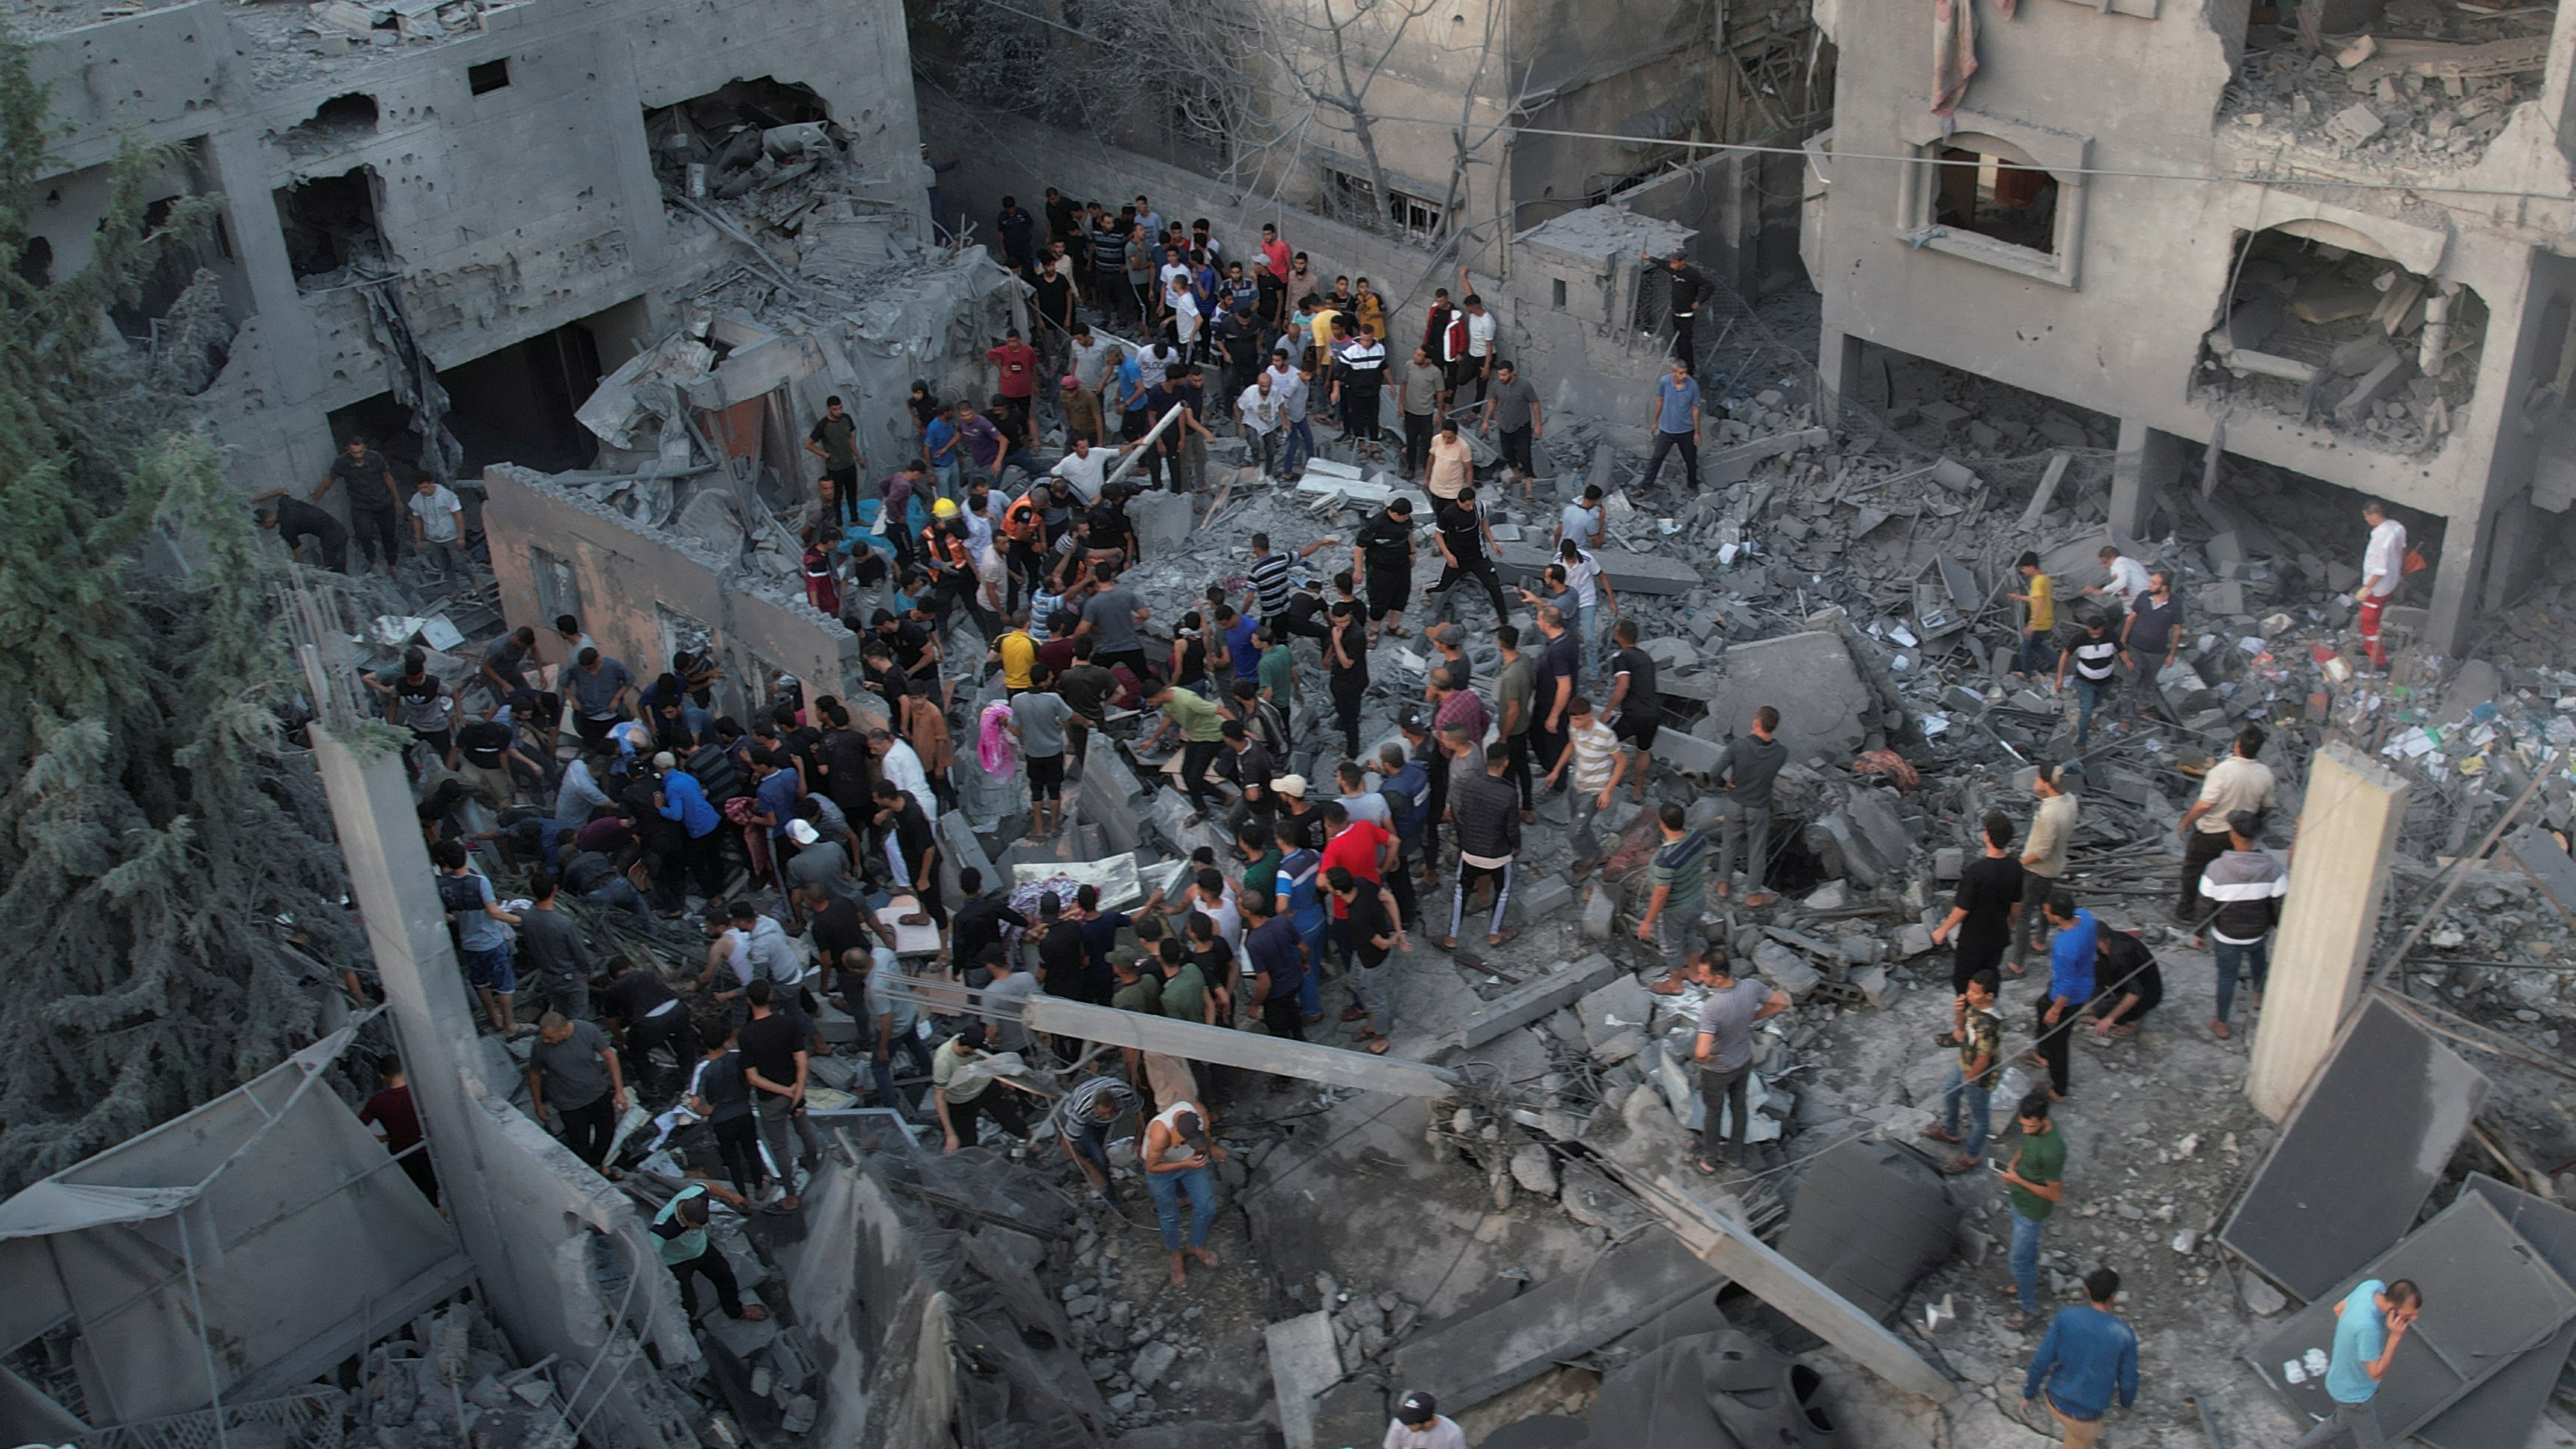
point(1382, 554)
point(1486, 809)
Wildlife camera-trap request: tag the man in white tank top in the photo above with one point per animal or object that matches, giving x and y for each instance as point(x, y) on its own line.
point(1177, 1157)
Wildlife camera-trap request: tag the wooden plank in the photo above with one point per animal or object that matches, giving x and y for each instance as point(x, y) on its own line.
point(1253, 1051)
point(1747, 1260)
point(1539, 999)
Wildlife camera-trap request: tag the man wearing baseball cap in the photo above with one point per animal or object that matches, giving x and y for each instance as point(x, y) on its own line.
point(1419, 1424)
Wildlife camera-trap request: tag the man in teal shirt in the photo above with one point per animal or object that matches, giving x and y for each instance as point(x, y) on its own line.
point(2369, 1324)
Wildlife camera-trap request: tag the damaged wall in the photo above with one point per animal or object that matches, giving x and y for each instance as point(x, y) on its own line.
point(632, 578)
point(508, 210)
point(2112, 318)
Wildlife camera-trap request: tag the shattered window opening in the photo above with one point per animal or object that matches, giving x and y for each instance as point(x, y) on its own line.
point(1996, 193)
point(2321, 331)
point(330, 223)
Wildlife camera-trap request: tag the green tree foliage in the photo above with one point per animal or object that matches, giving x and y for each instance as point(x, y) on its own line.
point(155, 822)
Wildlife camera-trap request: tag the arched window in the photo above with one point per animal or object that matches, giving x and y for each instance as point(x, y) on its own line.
point(1991, 188)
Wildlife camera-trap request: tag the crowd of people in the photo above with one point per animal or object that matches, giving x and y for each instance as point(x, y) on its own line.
point(1001, 633)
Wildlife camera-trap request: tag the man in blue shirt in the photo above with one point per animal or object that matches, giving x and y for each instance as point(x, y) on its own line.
point(680, 797)
point(941, 449)
point(2070, 985)
point(1300, 898)
point(2088, 1355)
point(1277, 960)
point(2369, 1324)
point(1675, 421)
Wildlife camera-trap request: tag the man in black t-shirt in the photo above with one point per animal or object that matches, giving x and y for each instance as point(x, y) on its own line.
point(296, 520)
point(1637, 707)
point(375, 503)
point(655, 1023)
point(1466, 547)
point(490, 756)
point(1382, 554)
point(1560, 660)
point(980, 920)
point(835, 440)
point(1052, 300)
point(773, 1053)
point(1981, 915)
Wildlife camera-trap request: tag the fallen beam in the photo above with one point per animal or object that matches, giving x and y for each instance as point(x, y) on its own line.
point(1629, 573)
point(1747, 1260)
point(2047, 491)
point(1253, 1051)
point(1735, 464)
point(1555, 1322)
point(1537, 1000)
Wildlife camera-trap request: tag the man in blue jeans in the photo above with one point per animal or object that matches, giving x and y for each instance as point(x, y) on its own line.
point(2095, 659)
point(2369, 1324)
point(1675, 422)
point(1177, 1158)
point(1980, 1038)
point(2088, 1356)
point(2035, 1179)
point(2246, 885)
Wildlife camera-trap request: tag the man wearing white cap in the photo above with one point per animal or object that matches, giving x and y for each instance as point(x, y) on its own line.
point(818, 862)
point(1296, 812)
point(1419, 1424)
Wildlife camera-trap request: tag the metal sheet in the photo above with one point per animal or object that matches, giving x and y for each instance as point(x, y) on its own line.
point(2503, 1409)
point(2356, 1162)
point(2490, 1298)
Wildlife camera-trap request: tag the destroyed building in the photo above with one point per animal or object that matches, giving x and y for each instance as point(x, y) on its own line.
point(440, 225)
point(2316, 265)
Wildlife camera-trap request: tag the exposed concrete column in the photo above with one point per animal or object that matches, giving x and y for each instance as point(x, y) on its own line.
point(2149, 461)
point(2453, 607)
point(2338, 880)
point(1838, 366)
point(397, 894)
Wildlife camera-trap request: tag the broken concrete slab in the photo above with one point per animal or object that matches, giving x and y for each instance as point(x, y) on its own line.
point(1826, 706)
point(1163, 522)
point(1304, 1362)
point(1621, 1005)
point(1106, 799)
point(1629, 573)
point(1785, 968)
point(1871, 1219)
point(1735, 464)
point(1536, 1000)
point(1630, 1286)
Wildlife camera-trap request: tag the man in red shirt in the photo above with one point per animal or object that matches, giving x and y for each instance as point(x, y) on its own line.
point(391, 1110)
point(1016, 362)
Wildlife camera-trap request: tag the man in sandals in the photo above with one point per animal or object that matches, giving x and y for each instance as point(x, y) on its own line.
point(1980, 1041)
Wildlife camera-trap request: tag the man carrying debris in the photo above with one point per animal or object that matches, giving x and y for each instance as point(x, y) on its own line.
point(1201, 722)
point(2247, 885)
point(2088, 1356)
point(2383, 568)
point(2370, 1322)
point(2241, 782)
point(1745, 773)
point(2128, 581)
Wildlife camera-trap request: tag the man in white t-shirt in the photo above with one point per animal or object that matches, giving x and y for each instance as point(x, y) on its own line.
point(1419, 1424)
point(438, 527)
point(1581, 521)
point(2128, 580)
point(2383, 567)
point(1083, 469)
point(1258, 410)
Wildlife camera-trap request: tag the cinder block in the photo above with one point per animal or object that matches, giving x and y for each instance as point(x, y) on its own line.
point(1601, 912)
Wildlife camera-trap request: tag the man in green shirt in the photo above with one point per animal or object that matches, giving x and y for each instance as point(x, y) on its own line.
point(1202, 726)
point(1185, 990)
point(1138, 991)
point(2036, 1179)
point(1512, 696)
point(1278, 672)
point(1255, 843)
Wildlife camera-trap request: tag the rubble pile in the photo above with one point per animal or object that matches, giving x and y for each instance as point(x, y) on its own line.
point(2427, 86)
